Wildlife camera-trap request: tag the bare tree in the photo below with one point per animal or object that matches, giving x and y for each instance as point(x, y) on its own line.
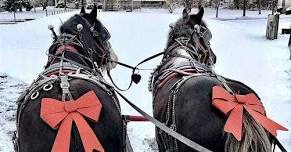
point(259, 6)
point(217, 3)
point(237, 3)
point(188, 5)
point(244, 7)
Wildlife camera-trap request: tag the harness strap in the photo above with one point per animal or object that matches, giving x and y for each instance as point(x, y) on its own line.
point(166, 129)
point(278, 143)
point(73, 62)
point(65, 88)
point(109, 75)
point(133, 69)
point(63, 48)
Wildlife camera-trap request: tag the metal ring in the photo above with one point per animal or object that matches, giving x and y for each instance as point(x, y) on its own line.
point(109, 93)
point(47, 87)
point(34, 95)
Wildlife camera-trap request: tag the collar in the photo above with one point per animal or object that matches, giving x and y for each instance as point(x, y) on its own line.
point(66, 47)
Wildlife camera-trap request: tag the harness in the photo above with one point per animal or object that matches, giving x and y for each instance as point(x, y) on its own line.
point(190, 67)
point(62, 72)
point(47, 79)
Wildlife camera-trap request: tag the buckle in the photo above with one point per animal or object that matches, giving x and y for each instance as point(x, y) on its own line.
point(15, 141)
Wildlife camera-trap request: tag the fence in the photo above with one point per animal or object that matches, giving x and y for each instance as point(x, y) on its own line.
point(58, 11)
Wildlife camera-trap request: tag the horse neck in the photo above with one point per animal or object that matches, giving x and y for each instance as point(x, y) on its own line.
point(71, 56)
point(176, 57)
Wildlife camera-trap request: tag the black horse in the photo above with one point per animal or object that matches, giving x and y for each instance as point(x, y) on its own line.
point(182, 94)
point(76, 58)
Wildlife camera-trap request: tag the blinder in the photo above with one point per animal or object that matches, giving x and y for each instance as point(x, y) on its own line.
point(205, 34)
point(104, 35)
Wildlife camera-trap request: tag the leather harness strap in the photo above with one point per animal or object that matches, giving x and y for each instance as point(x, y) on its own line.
point(63, 48)
point(165, 128)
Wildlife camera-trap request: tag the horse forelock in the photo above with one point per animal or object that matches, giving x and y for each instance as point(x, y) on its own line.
point(70, 26)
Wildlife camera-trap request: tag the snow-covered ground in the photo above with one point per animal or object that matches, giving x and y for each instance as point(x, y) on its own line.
point(243, 53)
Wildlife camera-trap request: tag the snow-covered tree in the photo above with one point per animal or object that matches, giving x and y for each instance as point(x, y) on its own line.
point(14, 5)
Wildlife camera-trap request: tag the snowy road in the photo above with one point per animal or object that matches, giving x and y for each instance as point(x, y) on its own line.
point(242, 52)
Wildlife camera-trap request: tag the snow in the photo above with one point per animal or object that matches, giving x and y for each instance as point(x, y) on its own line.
point(10, 89)
point(243, 53)
point(33, 14)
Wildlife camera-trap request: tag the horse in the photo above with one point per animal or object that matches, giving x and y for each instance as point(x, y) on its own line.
point(72, 77)
point(182, 87)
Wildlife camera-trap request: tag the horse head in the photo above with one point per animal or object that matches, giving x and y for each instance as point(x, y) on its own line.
point(84, 35)
point(192, 32)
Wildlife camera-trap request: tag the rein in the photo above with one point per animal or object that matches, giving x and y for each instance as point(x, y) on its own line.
point(165, 128)
point(134, 76)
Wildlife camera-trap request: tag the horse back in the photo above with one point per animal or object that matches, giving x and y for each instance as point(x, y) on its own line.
point(34, 131)
point(191, 110)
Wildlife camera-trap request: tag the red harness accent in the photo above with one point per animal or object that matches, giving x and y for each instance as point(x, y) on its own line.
point(233, 105)
point(63, 48)
point(61, 115)
point(173, 75)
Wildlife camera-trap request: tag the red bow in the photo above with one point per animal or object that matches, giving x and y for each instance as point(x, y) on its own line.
point(61, 115)
point(234, 105)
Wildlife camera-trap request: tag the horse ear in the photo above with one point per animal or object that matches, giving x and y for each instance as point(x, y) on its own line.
point(185, 13)
point(82, 10)
point(197, 18)
point(200, 13)
point(93, 13)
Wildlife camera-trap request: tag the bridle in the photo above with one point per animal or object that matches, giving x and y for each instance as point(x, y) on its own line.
point(182, 41)
point(195, 43)
point(73, 43)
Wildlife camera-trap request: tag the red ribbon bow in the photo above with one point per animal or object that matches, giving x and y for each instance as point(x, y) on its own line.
point(61, 115)
point(234, 105)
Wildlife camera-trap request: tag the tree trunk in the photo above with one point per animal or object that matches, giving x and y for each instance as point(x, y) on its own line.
point(217, 7)
point(260, 6)
point(245, 7)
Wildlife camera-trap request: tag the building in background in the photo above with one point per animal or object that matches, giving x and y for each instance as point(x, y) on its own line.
point(111, 5)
